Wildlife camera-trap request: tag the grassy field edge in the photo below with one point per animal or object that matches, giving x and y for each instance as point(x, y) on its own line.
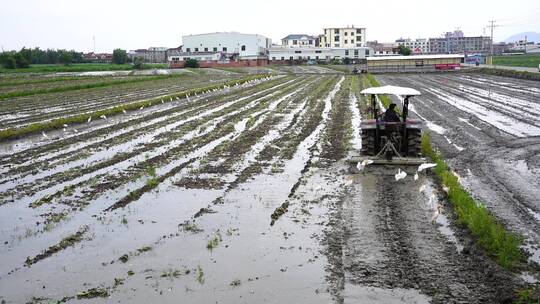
point(499, 243)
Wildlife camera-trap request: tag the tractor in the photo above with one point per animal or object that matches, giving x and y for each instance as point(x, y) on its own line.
point(392, 143)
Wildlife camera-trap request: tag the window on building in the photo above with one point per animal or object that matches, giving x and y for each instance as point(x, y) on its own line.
point(358, 31)
point(346, 52)
point(188, 50)
point(291, 58)
point(336, 44)
point(243, 47)
point(346, 33)
point(345, 41)
point(224, 49)
point(336, 31)
point(295, 42)
point(316, 57)
point(318, 52)
point(308, 57)
point(297, 52)
point(355, 52)
point(367, 52)
point(282, 58)
point(206, 49)
point(273, 58)
point(336, 38)
point(215, 49)
point(358, 44)
point(196, 49)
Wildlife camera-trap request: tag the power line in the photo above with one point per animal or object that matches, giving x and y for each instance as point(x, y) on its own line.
point(492, 25)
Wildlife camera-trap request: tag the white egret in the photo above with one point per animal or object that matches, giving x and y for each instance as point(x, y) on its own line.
point(44, 135)
point(422, 167)
point(416, 176)
point(400, 174)
point(422, 188)
point(89, 119)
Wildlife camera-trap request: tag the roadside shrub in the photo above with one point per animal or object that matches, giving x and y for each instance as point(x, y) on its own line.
point(192, 63)
point(491, 235)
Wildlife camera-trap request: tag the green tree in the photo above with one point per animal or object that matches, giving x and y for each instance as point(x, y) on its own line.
point(403, 50)
point(192, 63)
point(119, 56)
point(65, 58)
point(7, 60)
point(21, 61)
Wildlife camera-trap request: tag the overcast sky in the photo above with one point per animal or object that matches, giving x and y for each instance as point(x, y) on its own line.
point(132, 24)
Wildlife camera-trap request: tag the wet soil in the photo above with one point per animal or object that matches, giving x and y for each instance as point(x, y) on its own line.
point(237, 196)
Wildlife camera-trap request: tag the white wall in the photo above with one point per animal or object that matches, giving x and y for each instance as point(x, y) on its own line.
point(310, 53)
point(254, 45)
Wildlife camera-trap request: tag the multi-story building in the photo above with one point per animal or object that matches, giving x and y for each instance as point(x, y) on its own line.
point(455, 42)
point(344, 37)
point(243, 46)
point(152, 54)
point(417, 46)
point(300, 40)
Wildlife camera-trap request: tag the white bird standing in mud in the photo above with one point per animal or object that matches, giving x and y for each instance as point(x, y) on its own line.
point(422, 188)
point(162, 101)
point(44, 135)
point(103, 116)
point(124, 111)
point(422, 167)
point(142, 107)
point(89, 119)
point(360, 166)
point(416, 176)
point(400, 174)
point(65, 125)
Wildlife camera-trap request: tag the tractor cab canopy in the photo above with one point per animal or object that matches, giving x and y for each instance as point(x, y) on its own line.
point(391, 90)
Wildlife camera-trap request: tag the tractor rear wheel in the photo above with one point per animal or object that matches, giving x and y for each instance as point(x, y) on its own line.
point(368, 142)
point(414, 142)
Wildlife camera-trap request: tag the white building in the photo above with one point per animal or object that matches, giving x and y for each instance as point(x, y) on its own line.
point(344, 37)
point(246, 46)
point(200, 56)
point(318, 53)
point(418, 46)
point(300, 40)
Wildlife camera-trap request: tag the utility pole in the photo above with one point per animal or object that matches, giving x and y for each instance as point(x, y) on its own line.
point(492, 25)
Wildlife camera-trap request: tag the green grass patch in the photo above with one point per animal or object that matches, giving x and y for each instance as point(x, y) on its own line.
point(507, 73)
point(502, 245)
point(58, 123)
point(82, 86)
point(531, 61)
point(80, 67)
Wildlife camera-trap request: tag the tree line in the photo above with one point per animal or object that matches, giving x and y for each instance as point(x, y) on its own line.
point(26, 56)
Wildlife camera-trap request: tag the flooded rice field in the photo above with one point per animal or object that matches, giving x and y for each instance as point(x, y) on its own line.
point(244, 195)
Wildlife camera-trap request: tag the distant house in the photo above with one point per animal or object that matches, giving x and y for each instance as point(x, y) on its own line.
point(300, 40)
point(97, 57)
point(151, 55)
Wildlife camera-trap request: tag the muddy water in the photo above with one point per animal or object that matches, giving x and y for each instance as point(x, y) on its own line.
point(344, 238)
